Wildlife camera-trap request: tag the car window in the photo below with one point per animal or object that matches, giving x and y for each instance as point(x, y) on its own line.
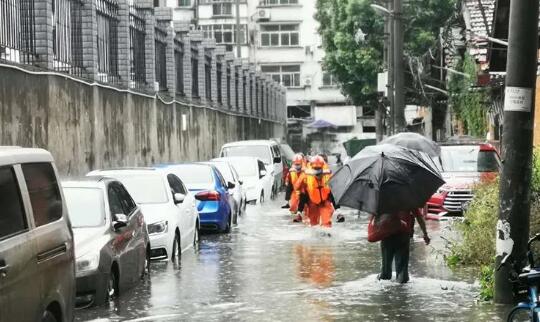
point(235, 174)
point(488, 161)
point(85, 206)
point(145, 188)
point(115, 205)
point(224, 170)
point(221, 179)
point(176, 184)
point(194, 174)
point(245, 167)
point(43, 191)
point(258, 151)
point(12, 216)
point(127, 202)
point(261, 166)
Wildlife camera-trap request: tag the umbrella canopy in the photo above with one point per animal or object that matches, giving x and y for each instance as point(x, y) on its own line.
point(321, 124)
point(386, 179)
point(414, 141)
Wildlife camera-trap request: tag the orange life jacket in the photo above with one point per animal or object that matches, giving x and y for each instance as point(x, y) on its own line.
point(318, 189)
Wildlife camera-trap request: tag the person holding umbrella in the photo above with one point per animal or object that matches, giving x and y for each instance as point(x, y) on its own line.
point(397, 246)
point(392, 182)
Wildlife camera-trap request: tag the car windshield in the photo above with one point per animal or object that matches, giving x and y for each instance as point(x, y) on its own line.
point(225, 170)
point(258, 151)
point(145, 189)
point(245, 167)
point(85, 207)
point(195, 174)
point(468, 158)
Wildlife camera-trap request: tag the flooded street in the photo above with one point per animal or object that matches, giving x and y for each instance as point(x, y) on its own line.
point(269, 269)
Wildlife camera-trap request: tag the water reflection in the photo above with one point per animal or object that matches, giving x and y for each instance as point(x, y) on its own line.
point(315, 264)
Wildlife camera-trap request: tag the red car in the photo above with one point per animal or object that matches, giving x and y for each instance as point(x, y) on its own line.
point(462, 166)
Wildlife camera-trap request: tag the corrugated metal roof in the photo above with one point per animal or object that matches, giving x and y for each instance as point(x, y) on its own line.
point(478, 16)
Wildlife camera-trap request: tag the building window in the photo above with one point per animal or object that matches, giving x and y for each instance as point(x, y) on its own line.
point(284, 35)
point(286, 75)
point(224, 33)
point(278, 2)
point(328, 79)
point(222, 8)
point(184, 3)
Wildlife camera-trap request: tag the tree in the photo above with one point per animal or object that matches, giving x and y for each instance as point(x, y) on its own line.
point(355, 65)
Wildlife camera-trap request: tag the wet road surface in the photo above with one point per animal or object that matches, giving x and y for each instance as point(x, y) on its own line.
point(270, 269)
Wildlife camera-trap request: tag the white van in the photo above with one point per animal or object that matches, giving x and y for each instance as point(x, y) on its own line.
point(37, 267)
point(266, 150)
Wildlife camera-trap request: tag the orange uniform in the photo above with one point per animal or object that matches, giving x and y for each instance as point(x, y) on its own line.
point(314, 181)
point(294, 175)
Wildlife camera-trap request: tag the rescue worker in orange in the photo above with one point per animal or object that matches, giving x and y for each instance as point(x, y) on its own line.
point(292, 194)
point(319, 196)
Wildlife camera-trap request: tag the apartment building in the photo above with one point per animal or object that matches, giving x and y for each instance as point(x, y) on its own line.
point(280, 38)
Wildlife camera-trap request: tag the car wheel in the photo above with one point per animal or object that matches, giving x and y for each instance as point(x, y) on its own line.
point(229, 224)
point(196, 239)
point(176, 255)
point(146, 270)
point(48, 317)
point(112, 286)
point(236, 214)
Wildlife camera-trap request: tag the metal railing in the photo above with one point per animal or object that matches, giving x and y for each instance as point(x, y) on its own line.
point(179, 66)
point(67, 37)
point(161, 58)
point(219, 77)
point(194, 73)
point(137, 34)
point(229, 86)
point(107, 41)
point(17, 31)
point(208, 76)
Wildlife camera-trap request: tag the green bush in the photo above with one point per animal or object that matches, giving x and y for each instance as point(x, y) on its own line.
point(478, 229)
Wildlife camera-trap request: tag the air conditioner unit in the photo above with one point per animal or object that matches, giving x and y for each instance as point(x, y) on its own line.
point(263, 15)
point(307, 81)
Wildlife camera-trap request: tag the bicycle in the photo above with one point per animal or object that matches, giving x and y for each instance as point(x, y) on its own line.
point(527, 280)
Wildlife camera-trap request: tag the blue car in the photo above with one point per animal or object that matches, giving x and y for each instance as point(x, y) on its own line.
point(211, 192)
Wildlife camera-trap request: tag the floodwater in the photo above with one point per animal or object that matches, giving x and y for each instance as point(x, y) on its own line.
point(270, 269)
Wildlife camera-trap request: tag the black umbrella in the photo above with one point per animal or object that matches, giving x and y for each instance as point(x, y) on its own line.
point(414, 141)
point(386, 179)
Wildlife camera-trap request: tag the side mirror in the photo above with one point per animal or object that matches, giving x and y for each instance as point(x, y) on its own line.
point(120, 221)
point(230, 185)
point(262, 173)
point(277, 160)
point(179, 198)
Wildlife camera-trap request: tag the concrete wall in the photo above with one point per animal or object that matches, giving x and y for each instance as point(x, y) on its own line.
point(90, 127)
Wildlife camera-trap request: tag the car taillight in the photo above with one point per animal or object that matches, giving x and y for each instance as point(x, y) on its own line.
point(208, 195)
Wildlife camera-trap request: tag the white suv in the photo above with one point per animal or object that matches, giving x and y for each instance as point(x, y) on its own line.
point(266, 150)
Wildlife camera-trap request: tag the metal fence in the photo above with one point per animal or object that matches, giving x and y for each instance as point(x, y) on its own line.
point(179, 66)
point(161, 58)
point(229, 85)
point(137, 34)
point(107, 40)
point(219, 77)
point(208, 76)
point(67, 36)
point(194, 73)
point(17, 31)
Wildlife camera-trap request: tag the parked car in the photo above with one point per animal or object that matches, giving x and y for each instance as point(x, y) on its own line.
point(37, 263)
point(257, 182)
point(168, 207)
point(462, 166)
point(266, 150)
point(211, 192)
point(112, 247)
point(237, 193)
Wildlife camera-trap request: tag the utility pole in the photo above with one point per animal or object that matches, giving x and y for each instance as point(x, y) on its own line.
point(399, 83)
point(514, 194)
point(238, 43)
point(390, 85)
